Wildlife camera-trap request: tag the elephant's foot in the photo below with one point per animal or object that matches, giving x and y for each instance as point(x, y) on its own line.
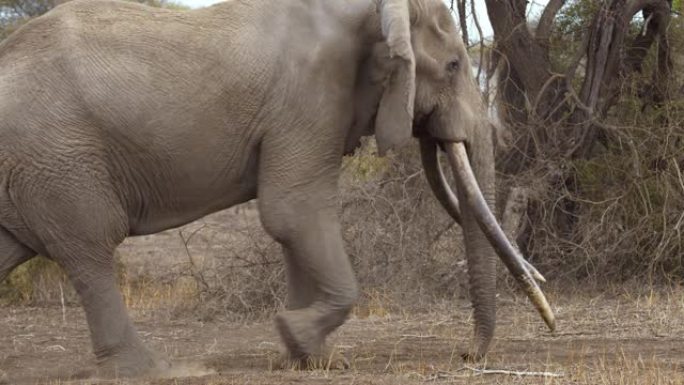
point(305, 342)
point(471, 357)
point(478, 352)
point(329, 360)
point(132, 362)
point(300, 334)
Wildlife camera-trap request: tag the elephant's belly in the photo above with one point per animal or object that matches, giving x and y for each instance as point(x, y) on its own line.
point(174, 202)
point(160, 220)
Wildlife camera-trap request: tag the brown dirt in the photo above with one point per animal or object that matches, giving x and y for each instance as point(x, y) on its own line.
point(623, 339)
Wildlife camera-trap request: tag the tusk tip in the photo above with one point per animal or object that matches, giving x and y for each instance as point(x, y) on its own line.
point(550, 321)
point(538, 276)
point(538, 300)
point(533, 270)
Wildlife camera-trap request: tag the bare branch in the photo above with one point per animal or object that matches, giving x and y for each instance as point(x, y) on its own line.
point(462, 19)
point(546, 21)
point(482, 45)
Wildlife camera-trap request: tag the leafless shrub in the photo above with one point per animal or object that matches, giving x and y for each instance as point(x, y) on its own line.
point(236, 278)
point(615, 214)
point(399, 239)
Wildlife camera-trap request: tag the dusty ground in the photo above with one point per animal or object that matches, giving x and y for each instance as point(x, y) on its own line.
point(617, 340)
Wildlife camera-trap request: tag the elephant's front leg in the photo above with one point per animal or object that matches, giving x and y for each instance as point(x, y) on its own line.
point(297, 201)
point(329, 291)
point(301, 288)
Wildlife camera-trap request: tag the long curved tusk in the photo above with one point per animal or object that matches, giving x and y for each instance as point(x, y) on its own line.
point(443, 192)
point(458, 158)
point(437, 180)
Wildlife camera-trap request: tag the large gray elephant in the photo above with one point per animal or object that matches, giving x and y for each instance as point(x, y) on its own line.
point(120, 119)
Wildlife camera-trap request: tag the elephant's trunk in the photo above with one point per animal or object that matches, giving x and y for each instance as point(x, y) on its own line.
point(477, 205)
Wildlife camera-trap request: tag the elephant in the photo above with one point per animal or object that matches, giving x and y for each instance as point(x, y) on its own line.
point(120, 119)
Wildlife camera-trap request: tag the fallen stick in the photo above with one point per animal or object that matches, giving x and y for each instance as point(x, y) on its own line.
point(482, 372)
point(515, 372)
point(426, 336)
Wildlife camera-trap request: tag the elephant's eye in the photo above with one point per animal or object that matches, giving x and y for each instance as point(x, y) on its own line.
point(454, 65)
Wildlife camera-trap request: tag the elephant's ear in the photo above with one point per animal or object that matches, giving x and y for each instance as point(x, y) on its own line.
point(394, 120)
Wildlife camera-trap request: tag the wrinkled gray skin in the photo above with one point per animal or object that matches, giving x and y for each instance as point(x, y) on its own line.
point(119, 119)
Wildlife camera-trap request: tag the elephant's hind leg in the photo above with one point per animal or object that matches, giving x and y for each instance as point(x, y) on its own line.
point(118, 349)
point(81, 233)
point(12, 253)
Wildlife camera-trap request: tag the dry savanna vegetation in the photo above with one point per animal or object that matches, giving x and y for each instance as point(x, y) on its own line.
point(590, 145)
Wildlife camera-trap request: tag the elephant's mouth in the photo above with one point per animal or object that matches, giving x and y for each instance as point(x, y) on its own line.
point(524, 273)
point(421, 123)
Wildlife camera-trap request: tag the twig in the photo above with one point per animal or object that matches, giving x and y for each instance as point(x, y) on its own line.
point(645, 27)
point(679, 174)
point(193, 267)
point(61, 298)
point(443, 231)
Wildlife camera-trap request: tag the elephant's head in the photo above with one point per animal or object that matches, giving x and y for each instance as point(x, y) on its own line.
point(430, 93)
